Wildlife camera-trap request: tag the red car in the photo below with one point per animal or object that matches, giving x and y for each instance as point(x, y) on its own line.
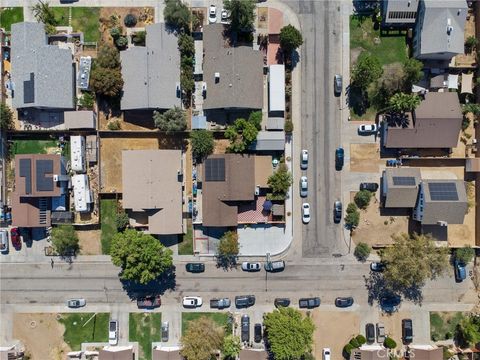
point(16, 241)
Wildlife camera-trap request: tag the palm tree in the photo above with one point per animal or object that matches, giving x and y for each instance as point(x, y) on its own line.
point(402, 103)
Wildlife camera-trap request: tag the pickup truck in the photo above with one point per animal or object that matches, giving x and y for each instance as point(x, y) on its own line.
point(220, 303)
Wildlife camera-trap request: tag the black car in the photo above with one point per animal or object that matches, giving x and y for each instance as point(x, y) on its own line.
point(279, 302)
point(370, 186)
point(370, 333)
point(343, 302)
point(244, 301)
point(339, 158)
point(257, 333)
point(407, 331)
point(309, 303)
point(195, 267)
point(245, 328)
point(337, 211)
point(389, 303)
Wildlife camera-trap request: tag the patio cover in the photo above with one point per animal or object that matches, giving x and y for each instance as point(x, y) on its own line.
point(453, 81)
point(467, 83)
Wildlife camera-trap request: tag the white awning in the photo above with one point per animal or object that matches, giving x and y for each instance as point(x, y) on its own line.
point(467, 80)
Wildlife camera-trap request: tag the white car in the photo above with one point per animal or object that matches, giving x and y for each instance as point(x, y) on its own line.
point(367, 129)
point(3, 241)
point(224, 16)
point(306, 213)
point(304, 159)
point(192, 301)
point(76, 303)
point(303, 186)
point(113, 332)
point(249, 266)
point(326, 354)
point(212, 14)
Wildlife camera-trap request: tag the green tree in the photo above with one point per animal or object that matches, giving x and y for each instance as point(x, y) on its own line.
point(115, 32)
point(412, 73)
point(65, 240)
point(130, 20)
point(186, 45)
point(106, 81)
point(177, 15)
point(87, 100)
point(389, 343)
point(288, 126)
point(411, 260)
point(202, 143)
point(228, 249)
point(141, 257)
point(362, 251)
point(366, 71)
point(352, 219)
point(231, 347)
point(256, 117)
point(170, 120)
point(44, 13)
point(471, 108)
point(402, 103)
point(202, 347)
point(242, 14)
point(107, 57)
point(289, 333)
point(465, 254)
point(6, 117)
point(122, 220)
point(187, 82)
point(281, 180)
point(290, 38)
point(468, 330)
point(241, 134)
point(362, 198)
point(470, 44)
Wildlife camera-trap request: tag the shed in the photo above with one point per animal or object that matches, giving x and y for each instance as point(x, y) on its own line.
point(82, 119)
point(276, 88)
point(199, 122)
point(269, 141)
point(467, 80)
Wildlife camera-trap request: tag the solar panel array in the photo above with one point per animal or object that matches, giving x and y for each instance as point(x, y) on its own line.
point(26, 172)
point(215, 169)
point(443, 191)
point(44, 167)
point(403, 180)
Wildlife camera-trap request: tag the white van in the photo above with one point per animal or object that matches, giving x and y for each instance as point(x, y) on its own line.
point(275, 266)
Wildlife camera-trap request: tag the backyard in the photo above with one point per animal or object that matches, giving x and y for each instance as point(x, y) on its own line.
point(84, 19)
point(221, 319)
point(9, 16)
point(186, 246)
point(145, 329)
point(84, 327)
point(35, 147)
point(443, 324)
point(108, 211)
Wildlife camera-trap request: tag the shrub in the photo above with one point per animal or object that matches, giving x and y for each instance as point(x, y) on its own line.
point(471, 43)
point(362, 251)
point(352, 219)
point(114, 125)
point(139, 38)
point(354, 343)
point(390, 343)
point(361, 339)
point(465, 254)
point(362, 198)
point(288, 126)
point(448, 335)
point(347, 349)
point(122, 220)
point(87, 100)
point(115, 32)
point(130, 20)
point(121, 42)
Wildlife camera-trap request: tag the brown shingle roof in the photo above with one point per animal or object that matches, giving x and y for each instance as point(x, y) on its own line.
point(159, 354)
point(116, 354)
point(247, 354)
point(427, 354)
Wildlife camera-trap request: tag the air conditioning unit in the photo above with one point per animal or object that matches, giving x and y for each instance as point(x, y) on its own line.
point(442, 223)
point(257, 190)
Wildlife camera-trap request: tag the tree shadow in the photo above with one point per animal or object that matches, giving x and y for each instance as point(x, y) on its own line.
point(159, 286)
point(394, 119)
point(227, 262)
point(358, 100)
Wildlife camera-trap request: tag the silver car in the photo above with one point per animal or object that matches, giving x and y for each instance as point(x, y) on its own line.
point(304, 159)
point(303, 186)
point(337, 84)
point(380, 333)
point(165, 331)
point(76, 303)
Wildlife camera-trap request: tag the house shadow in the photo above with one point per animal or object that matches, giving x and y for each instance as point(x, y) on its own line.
point(141, 118)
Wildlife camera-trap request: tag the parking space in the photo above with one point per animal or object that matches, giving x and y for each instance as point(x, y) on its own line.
point(31, 245)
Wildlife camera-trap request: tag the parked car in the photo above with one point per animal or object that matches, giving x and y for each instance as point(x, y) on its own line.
point(212, 14)
point(192, 301)
point(113, 332)
point(370, 186)
point(15, 236)
point(326, 354)
point(339, 158)
point(390, 303)
point(377, 266)
point(165, 327)
point(281, 302)
point(309, 303)
point(337, 84)
point(343, 302)
point(380, 333)
point(306, 213)
point(407, 331)
point(244, 301)
point(303, 186)
point(251, 266)
point(370, 333)
point(224, 16)
point(245, 326)
point(76, 303)
point(304, 159)
point(195, 267)
point(460, 271)
point(220, 303)
point(366, 129)
point(337, 211)
point(149, 302)
point(257, 333)
point(3, 241)
point(274, 266)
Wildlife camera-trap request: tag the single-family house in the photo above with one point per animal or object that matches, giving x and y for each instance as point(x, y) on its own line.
point(151, 73)
point(399, 13)
point(43, 76)
point(436, 123)
point(425, 352)
point(116, 353)
point(400, 187)
point(253, 354)
point(233, 74)
point(369, 352)
point(439, 30)
point(152, 190)
point(166, 353)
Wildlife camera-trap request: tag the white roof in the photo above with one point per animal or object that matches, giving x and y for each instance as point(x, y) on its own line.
point(452, 81)
point(77, 153)
point(276, 88)
point(81, 192)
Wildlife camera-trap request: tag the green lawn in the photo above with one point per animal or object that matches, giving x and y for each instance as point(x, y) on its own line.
point(218, 317)
point(145, 328)
point(61, 15)
point(443, 324)
point(186, 246)
point(388, 49)
point(108, 210)
point(78, 331)
point(87, 20)
point(33, 146)
point(9, 16)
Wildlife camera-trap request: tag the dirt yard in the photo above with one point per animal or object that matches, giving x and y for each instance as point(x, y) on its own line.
point(365, 157)
point(41, 334)
point(221, 146)
point(329, 334)
point(262, 18)
point(90, 242)
point(393, 324)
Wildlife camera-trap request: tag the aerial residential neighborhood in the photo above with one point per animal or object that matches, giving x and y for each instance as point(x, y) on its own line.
point(239, 179)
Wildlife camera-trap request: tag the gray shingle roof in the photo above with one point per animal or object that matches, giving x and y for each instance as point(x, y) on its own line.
point(400, 195)
point(269, 141)
point(43, 74)
point(450, 211)
point(151, 73)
